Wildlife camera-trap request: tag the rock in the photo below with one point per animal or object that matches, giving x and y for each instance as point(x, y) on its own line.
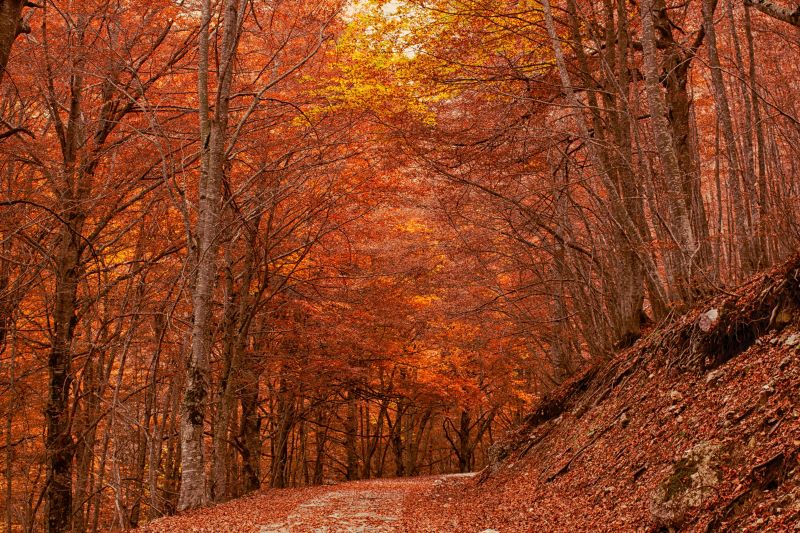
point(624, 420)
point(714, 376)
point(766, 391)
point(708, 320)
point(792, 340)
point(785, 362)
point(675, 396)
point(693, 479)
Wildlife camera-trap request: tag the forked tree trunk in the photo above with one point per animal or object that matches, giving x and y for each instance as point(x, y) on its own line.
point(680, 222)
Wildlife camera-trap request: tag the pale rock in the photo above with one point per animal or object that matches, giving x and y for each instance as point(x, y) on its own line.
point(792, 340)
point(675, 396)
point(709, 319)
point(692, 481)
point(714, 376)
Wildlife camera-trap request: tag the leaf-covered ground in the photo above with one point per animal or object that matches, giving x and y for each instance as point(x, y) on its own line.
point(375, 506)
point(613, 450)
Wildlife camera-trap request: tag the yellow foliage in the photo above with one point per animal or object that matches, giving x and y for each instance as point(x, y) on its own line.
point(424, 300)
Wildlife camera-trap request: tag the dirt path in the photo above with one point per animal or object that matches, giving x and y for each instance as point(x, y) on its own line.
point(374, 506)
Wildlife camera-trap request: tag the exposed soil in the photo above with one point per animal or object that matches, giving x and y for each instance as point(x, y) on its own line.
point(374, 506)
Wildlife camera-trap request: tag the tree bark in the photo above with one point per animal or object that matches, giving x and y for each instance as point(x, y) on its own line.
point(679, 215)
point(742, 220)
point(11, 25)
point(213, 135)
point(775, 11)
point(350, 435)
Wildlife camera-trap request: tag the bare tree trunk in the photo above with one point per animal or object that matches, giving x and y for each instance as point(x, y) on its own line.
point(397, 441)
point(742, 219)
point(373, 442)
point(792, 16)
point(676, 62)
point(350, 435)
point(285, 413)
point(250, 431)
point(213, 136)
point(321, 439)
point(412, 467)
point(679, 215)
point(59, 442)
point(631, 233)
point(767, 245)
point(11, 25)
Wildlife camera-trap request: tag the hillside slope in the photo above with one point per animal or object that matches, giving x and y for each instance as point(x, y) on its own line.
point(695, 428)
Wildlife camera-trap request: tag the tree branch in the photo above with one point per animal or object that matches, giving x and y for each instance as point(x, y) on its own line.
point(775, 11)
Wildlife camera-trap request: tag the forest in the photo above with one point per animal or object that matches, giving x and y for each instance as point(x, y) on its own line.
point(251, 244)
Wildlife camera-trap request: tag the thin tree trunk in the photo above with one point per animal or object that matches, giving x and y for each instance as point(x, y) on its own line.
point(350, 435)
point(742, 222)
point(679, 215)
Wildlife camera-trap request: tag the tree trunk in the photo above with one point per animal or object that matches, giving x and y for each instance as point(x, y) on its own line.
point(11, 25)
point(280, 441)
point(213, 135)
point(397, 442)
point(250, 432)
point(681, 226)
point(59, 444)
point(742, 220)
point(350, 435)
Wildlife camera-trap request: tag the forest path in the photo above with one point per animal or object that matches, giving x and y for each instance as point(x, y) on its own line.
point(374, 506)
